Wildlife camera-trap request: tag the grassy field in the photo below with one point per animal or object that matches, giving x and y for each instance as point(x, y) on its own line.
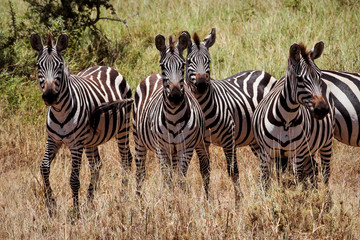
point(250, 35)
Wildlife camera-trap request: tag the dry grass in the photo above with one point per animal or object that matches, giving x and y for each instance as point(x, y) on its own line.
point(289, 213)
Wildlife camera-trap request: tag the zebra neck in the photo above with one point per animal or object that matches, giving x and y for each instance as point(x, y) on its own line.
point(172, 116)
point(287, 107)
point(205, 97)
point(66, 97)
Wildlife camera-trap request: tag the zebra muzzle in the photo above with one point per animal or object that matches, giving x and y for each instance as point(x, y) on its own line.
point(50, 97)
point(176, 96)
point(202, 82)
point(321, 107)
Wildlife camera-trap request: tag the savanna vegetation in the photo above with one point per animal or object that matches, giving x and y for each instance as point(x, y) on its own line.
point(250, 35)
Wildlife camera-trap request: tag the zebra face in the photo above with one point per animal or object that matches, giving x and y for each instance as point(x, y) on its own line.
point(307, 83)
point(50, 66)
point(198, 63)
point(172, 65)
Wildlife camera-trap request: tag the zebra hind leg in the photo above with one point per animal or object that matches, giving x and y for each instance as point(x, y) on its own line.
point(51, 149)
point(140, 157)
point(95, 163)
point(233, 171)
point(126, 158)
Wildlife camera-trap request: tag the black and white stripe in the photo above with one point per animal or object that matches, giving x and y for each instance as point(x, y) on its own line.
point(167, 119)
point(296, 118)
point(227, 104)
point(345, 88)
point(73, 102)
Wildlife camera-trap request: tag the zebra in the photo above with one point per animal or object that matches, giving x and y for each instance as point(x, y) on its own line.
point(296, 119)
point(167, 119)
point(228, 104)
point(345, 88)
point(74, 118)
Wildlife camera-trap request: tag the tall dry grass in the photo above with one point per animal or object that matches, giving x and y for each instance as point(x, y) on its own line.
point(289, 213)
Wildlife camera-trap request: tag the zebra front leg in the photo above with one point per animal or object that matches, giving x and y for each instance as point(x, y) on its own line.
point(167, 166)
point(76, 154)
point(264, 171)
point(183, 163)
point(325, 154)
point(202, 152)
point(233, 171)
point(95, 163)
point(140, 157)
point(122, 139)
point(310, 170)
point(52, 148)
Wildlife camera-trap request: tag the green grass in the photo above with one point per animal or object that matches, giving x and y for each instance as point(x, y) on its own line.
point(250, 35)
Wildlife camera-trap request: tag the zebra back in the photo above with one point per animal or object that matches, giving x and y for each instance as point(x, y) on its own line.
point(345, 88)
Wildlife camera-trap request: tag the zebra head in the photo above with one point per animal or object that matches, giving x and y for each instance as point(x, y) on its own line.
point(172, 65)
point(50, 65)
point(198, 62)
point(305, 79)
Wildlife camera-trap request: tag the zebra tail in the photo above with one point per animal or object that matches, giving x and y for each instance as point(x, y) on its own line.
point(106, 108)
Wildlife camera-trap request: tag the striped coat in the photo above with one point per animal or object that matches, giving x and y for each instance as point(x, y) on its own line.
point(167, 119)
point(296, 119)
point(74, 118)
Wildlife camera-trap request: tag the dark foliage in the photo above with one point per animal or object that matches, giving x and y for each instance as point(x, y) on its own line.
point(76, 14)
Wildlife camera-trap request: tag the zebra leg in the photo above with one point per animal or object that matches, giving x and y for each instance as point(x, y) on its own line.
point(76, 154)
point(95, 163)
point(202, 152)
point(264, 170)
point(233, 171)
point(255, 148)
point(325, 154)
point(52, 148)
point(281, 165)
point(184, 161)
point(140, 157)
point(167, 166)
point(310, 170)
point(122, 139)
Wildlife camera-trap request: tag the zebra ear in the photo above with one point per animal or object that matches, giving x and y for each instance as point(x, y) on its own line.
point(210, 39)
point(189, 41)
point(36, 43)
point(294, 53)
point(317, 50)
point(160, 43)
point(183, 42)
point(62, 42)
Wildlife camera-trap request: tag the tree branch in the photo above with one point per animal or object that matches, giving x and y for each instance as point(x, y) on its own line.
point(117, 20)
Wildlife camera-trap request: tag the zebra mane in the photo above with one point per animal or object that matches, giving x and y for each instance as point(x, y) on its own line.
point(171, 43)
point(305, 53)
point(49, 42)
point(196, 40)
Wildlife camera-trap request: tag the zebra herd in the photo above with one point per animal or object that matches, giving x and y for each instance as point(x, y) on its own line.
point(285, 122)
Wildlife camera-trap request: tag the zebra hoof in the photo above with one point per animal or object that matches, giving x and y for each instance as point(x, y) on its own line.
point(51, 205)
point(73, 215)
